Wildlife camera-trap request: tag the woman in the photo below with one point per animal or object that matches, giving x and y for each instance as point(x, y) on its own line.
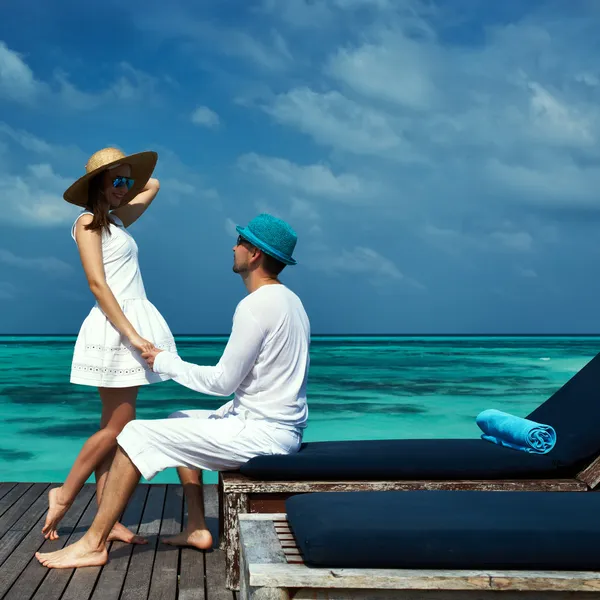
point(115, 192)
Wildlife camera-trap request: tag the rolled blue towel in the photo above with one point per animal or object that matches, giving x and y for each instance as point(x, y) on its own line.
point(515, 432)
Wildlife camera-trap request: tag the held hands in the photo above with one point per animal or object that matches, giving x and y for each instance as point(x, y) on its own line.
point(140, 344)
point(150, 355)
point(146, 348)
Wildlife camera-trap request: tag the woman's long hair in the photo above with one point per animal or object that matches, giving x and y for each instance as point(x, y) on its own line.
point(98, 206)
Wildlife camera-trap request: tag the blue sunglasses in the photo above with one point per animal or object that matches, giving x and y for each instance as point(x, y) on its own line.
point(120, 180)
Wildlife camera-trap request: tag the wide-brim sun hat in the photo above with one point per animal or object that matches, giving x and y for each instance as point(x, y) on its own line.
point(142, 166)
point(273, 236)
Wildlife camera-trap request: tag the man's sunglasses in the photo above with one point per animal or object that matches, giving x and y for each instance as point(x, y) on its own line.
point(243, 241)
point(119, 181)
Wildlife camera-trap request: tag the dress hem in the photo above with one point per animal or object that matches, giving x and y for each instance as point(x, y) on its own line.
point(120, 384)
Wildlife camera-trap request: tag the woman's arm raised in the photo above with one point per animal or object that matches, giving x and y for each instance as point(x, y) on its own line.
point(133, 210)
point(90, 250)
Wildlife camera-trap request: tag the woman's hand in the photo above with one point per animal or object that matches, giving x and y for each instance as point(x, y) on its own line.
point(149, 357)
point(140, 344)
point(131, 212)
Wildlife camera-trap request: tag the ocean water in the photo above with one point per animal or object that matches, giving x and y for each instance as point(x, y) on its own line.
point(359, 388)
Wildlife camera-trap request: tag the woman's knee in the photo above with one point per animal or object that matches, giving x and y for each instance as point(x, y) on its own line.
point(109, 435)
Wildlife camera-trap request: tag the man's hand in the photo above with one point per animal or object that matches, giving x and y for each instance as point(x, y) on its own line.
point(150, 356)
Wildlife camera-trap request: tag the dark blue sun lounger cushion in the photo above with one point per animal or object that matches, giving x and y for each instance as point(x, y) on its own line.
point(447, 530)
point(573, 411)
point(405, 460)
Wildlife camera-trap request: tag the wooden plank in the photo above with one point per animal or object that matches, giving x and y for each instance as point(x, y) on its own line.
point(216, 582)
point(5, 488)
point(192, 584)
point(259, 544)
point(139, 574)
point(265, 517)
point(214, 560)
point(76, 584)
point(300, 576)
point(191, 575)
point(31, 577)
point(23, 554)
point(265, 575)
point(14, 564)
point(20, 507)
point(591, 474)
point(367, 594)
point(112, 576)
point(164, 575)
point(235, 504)
point(22, 527)
point(12, 496)
point(235, 483)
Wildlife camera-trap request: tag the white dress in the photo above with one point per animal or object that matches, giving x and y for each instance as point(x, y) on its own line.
point(102, 356)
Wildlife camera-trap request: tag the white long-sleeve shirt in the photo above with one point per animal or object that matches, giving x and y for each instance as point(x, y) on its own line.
point(265, 362)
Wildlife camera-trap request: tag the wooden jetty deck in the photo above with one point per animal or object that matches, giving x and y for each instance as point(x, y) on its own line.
point(154, 571)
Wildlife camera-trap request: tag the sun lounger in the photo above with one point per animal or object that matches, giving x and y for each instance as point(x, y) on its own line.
point(264, 483)
point(424, 544)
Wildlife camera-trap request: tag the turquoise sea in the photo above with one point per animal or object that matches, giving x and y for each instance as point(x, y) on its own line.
point(359, 388)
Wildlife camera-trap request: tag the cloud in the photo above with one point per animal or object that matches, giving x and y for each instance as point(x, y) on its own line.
point(360, 260)
point(17, 81)
point(324, 14)
point(508, 238)
point(500, 120)
point(7, 291)
point(303, 209)
point(230, 227)
point(182, 180)
point(205, 117)
point(66, 154)
point(130, 85)
point(48, 264)
point(521, 241)
point(395, 70)
point(551, 183)
point(527, 273)
point(316, 179)
point(336, 121)
point(34, 198)
point(188, 26)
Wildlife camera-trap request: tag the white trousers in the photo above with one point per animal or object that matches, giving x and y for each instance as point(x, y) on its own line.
point(203, 439)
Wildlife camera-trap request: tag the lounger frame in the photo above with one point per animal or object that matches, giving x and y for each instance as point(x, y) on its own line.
point(241, 495)
point(272, 569)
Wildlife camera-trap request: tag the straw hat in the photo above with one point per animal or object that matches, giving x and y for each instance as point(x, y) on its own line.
point(142, 166)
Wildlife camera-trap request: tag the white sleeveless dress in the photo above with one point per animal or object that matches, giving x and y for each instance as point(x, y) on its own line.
point(102, 356)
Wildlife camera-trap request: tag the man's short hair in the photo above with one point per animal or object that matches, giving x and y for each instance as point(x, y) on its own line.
point(271, 265)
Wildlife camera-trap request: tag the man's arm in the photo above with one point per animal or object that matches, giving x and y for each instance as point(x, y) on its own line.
point(238, 359)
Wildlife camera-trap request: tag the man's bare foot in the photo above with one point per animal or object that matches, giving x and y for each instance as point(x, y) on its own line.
point(198, 538)
point(79, 554)
point(120, 533)
point(57, 508)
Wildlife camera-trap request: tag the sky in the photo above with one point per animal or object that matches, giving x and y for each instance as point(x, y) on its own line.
point(438, 160)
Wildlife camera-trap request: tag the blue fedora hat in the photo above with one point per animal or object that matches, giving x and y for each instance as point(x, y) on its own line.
point(271, 235)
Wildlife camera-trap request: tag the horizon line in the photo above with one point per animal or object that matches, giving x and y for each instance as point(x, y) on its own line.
point(349, 334)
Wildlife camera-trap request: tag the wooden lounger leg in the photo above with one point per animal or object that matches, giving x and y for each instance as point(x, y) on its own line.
point(261, 546)
point(233, 505)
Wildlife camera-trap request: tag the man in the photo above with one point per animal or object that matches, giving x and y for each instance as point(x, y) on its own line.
point(265, 363)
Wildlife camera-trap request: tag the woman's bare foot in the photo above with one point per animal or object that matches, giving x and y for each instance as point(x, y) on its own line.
point(120, 533)
point(79, 554)
point(57, 508)
point(198, 538)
